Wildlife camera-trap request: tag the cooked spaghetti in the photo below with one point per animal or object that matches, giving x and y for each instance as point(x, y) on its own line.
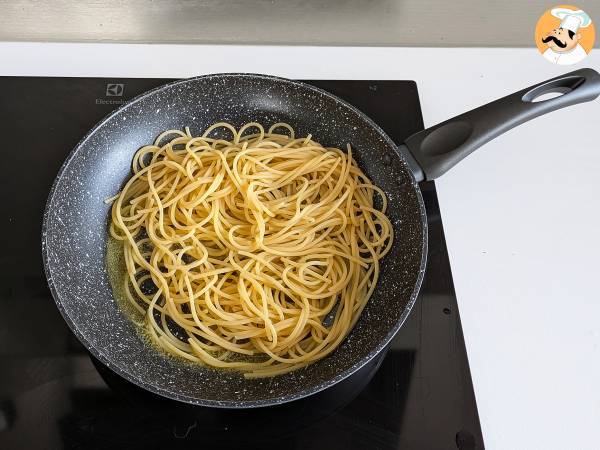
point(256, 253)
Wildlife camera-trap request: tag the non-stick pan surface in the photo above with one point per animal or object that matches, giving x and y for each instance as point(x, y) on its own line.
point(76, 223)
point(76, 219)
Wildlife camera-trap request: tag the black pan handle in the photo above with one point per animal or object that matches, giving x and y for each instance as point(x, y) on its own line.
point(437, 149)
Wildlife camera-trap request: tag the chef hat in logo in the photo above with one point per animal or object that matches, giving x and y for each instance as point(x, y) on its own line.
point(571, 20)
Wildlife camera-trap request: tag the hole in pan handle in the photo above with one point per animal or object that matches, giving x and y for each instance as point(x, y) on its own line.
point(432, 152)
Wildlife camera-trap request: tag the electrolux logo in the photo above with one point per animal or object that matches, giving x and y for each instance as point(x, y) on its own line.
point(112, 90)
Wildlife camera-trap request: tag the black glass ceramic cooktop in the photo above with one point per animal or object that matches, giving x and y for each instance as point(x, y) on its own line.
point(54, 396)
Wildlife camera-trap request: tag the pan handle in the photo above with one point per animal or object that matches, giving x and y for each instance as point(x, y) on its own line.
point(437, 149)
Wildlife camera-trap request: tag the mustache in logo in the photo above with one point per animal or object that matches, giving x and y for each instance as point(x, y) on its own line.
point(556, 41)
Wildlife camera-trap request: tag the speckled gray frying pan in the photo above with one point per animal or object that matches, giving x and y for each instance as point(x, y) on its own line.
point(75, 223)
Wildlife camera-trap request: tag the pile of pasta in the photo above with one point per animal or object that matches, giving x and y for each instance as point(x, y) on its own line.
point(256, 252)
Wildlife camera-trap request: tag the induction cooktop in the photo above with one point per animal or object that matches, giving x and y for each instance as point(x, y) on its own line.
point(54, 395)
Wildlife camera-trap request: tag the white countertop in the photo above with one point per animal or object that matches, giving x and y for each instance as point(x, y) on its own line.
point(521, 215)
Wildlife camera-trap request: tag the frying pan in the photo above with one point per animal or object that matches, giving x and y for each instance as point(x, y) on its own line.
point(74, 234)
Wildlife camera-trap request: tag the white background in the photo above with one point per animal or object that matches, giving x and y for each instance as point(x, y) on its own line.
point(522, 215)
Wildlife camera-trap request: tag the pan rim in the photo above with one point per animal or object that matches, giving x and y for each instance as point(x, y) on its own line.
point(229, 404)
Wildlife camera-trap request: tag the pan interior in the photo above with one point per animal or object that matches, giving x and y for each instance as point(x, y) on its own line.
point(76, 220)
